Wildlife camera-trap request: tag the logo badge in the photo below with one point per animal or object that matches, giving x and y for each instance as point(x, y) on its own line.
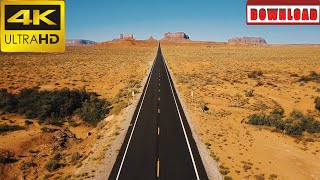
point(283, 12)
point(32, 26)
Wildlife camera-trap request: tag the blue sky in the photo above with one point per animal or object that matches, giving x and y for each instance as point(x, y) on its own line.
point(102, 20)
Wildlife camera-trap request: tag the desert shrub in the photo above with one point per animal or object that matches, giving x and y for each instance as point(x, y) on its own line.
point(75, 157)
point(257, 119)
point(8, 128)
point(48, 176)
point(122, 93)
point(249, 92)
point(54, 105)
point(312, 125)
point(203, 106)
point(72, 123)
point(30, 114)
point(52, 165)
point(317, 102)
point(246, 167)
point(28, 122)
point(224, 171)
point(261, 119)
point(255, 74)
point(313, 76)
point(57, 157)
point(118, 107)
point(228, 178)
point(8, 102)
point(5, 156)
point(49, 104)
point(133, 83)
point(293, 127)
point(296, 114)
point(48, 130)
point(94, 110)
point(27, 165)
point(279, 111)
point(273, 176)
point(308, 123)
point(259, 177)
point(274, 120)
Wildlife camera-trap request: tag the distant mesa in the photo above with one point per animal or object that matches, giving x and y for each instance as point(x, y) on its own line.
point(79, 42)
point(125, 37)
point(151, 38)
point(178, 36)
point(248, 40)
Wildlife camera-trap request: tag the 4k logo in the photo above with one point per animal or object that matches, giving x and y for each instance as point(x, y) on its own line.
point(32, 26)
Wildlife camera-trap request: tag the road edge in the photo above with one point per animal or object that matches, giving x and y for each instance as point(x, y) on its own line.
point(127, 114)
point(210, 165)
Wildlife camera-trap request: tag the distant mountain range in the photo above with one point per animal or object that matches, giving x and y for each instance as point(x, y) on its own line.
point(79, 42)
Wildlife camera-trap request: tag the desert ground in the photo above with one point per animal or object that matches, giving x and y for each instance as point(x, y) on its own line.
point(230, 81)
point(44, 151)
point(220, 76)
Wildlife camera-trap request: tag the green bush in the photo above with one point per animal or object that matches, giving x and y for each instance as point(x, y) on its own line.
point(57, 157)
point(255, 74)
point(249, 92)
point(294, 125)
point(116, 109)
point(27, 165)
point(75, 157)
point(8, 102)
point(258, 119)
point(317, 101)
point(309, 124)
point(5, 156)
point(52, 165)
point(94, 110)
point(55, 105)
point(312, 126)
point(279, 111)
point(8, 128)
point(72, 123)
point(28, 122)
point(274, 120)
point(313, 76)
point(47, 130)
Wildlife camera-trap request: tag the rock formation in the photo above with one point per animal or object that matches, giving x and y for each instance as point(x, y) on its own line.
point(179, 36)
point(151, 38)
point(126, 37)
point(247, 40)
point(79, 42)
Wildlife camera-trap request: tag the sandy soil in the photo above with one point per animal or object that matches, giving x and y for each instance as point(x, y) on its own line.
point(107, 69)
point(218, 76)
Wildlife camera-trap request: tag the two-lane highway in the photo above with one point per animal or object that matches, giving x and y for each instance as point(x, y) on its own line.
point(159, 142)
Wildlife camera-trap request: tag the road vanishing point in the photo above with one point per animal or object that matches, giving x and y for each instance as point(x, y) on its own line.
point(159, 142)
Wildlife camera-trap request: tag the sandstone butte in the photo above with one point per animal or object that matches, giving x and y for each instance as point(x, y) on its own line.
point(178, 36)
point(248, 40)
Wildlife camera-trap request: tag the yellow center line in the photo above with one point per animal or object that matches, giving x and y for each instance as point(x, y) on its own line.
point(158, 131)
point(158, 111)
point(158, 98)
point(159, 90)
point(158, 168)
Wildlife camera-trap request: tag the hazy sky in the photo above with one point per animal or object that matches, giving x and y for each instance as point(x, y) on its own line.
point(102, 20)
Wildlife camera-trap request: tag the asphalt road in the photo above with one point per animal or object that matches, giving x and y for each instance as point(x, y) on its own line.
point(159, 142)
